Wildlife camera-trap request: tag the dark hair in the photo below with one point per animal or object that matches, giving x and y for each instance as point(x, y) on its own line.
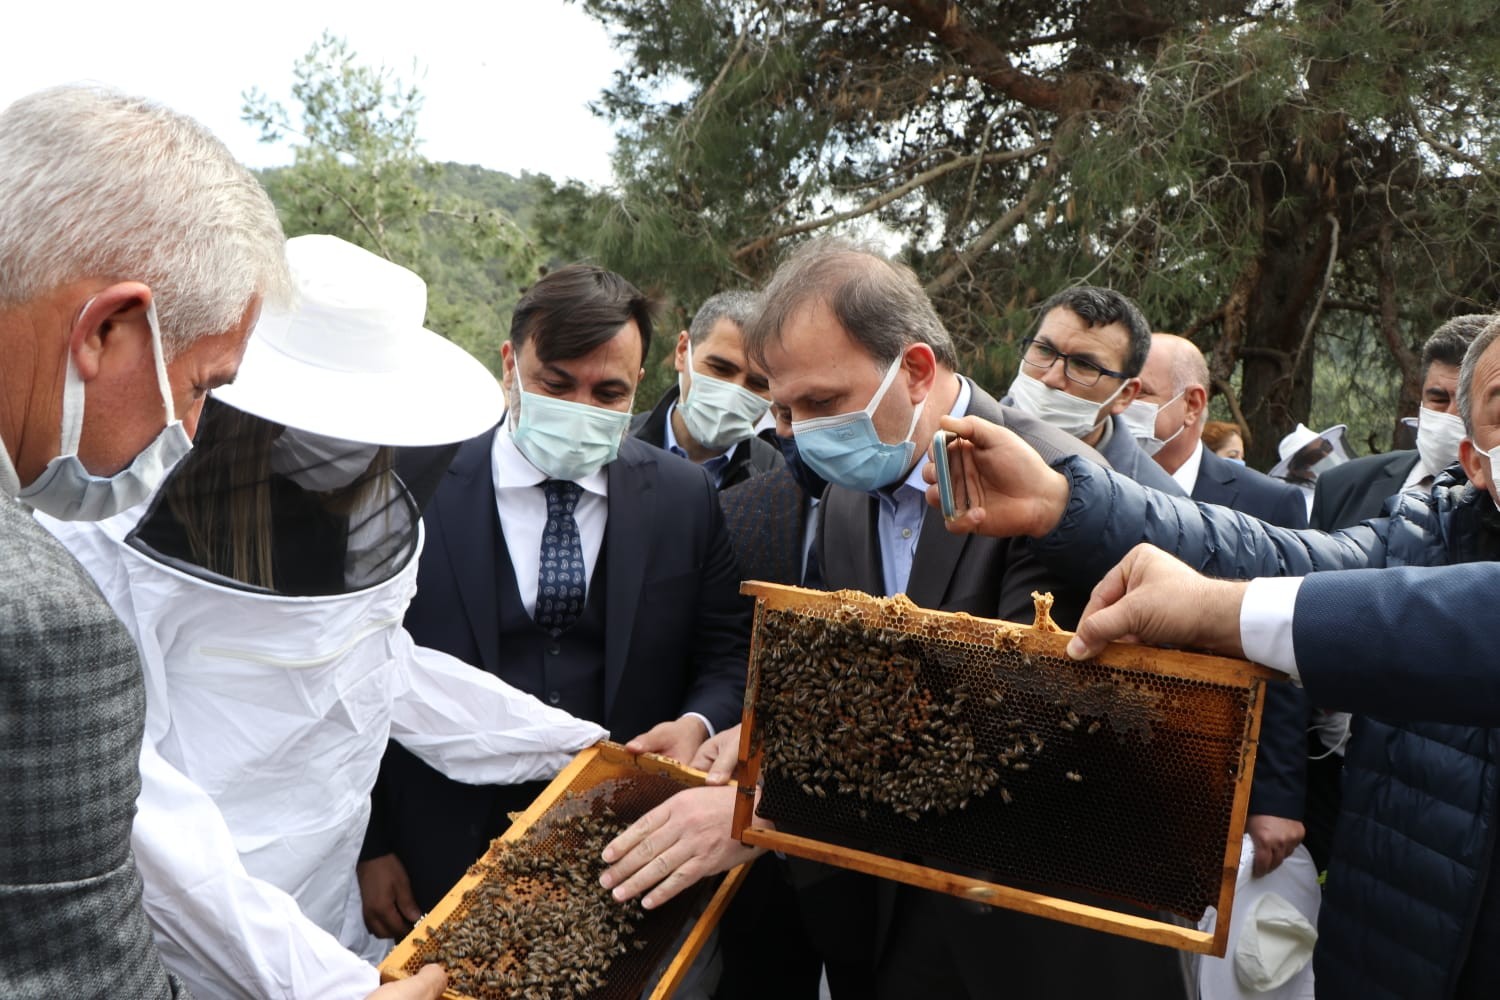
point(573, 310)
point(1101, 307)
point(737, 307)
point(879, 302)
point(1451, 341)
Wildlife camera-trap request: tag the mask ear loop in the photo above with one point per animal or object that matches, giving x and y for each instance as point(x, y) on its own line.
point(72, 402)
point(159, 355)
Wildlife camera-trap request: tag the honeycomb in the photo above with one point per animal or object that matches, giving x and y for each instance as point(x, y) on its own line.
point(976, 747)
point(530, 918)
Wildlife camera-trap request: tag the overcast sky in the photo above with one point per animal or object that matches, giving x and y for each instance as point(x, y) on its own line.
point(506, 83)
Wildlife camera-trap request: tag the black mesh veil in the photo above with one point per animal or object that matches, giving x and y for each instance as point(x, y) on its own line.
point(276, 509)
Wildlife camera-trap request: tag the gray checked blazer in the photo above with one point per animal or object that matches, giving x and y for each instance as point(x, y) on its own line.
point(71, 719)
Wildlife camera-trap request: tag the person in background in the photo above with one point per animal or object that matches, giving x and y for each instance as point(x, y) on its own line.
point(1350, 493)
point(709, 416)
point(1223, 439)
point(1080, 371)
point(1306, 454)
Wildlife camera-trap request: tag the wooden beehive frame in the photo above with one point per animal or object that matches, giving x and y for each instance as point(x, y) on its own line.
point(393, 966)
point(1046, 639)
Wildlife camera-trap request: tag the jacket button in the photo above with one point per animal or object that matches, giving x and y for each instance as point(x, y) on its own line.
point(554, 648)
point(554, 697)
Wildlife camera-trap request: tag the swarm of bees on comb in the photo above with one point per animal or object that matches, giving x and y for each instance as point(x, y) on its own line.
point(538, 925)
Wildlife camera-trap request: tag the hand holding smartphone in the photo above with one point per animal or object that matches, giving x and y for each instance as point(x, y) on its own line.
point(952, 466)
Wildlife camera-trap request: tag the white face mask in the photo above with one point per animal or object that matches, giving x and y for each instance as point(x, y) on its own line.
point(1140, 417)
point(69, 492)
point(1438, 435)
point(319, 463)
point(1068, 414)
point(1494, 465)
point(563, 439)
point(718, 413)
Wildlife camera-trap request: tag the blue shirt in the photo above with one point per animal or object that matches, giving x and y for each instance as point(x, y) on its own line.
point(714, 466)
point(902, 508)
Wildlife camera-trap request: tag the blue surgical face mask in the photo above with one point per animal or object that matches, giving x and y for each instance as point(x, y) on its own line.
point(812, 484)
point(69, 492)
point(718, 414)
point(566, 440)
point(846, 449)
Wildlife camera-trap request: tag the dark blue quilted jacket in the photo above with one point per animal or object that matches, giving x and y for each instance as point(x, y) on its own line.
point(1418, 820)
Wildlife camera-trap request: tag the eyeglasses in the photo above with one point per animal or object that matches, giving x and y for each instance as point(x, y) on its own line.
point(1080, 370)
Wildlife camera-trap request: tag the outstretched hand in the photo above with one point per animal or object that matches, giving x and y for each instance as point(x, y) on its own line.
point(674, 845)
point(1013, 491)
point(1154, 598)
point(427, 984)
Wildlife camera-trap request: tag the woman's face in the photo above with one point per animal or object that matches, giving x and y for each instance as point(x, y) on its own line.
point(1231, 447)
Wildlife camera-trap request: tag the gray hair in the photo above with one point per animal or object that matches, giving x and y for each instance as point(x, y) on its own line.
point(1102, 307)
point(94, 183)
point(737, 307)
point(1450, 342)
point(879, 302)
point(1466, 373)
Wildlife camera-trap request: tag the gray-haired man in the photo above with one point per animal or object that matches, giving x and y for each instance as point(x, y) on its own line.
point(709, 416)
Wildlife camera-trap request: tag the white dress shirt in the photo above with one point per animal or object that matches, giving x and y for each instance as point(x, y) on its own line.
point(523, 513)
point(1186, 475)
point(1266, 623)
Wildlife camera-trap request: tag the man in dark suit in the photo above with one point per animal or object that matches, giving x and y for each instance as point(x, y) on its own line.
point(865, 379)
point(709, 416)
point(1356, 491)
point(1174, 388)
point(576, 563)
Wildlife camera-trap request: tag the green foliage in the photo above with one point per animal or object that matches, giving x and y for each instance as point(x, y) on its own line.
point(357, 173)
point(1304, 187)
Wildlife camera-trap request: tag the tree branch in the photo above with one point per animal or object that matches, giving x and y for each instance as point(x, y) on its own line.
point(990, 236)
point(385, 251)
point(881, 200)
point(1317, 309)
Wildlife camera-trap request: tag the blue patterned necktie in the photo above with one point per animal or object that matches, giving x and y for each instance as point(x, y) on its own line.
point(561, 583)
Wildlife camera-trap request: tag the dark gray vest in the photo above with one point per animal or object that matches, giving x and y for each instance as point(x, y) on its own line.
point(566, 671)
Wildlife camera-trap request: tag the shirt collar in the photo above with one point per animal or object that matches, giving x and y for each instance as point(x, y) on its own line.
point(713, 466)
point(10, 481)
point(1187, 473)
point(914, 478)
point(514, 470)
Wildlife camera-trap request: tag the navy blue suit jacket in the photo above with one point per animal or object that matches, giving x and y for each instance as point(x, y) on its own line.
point(1423, 648)
point(1280, 784)
point(1357, 491)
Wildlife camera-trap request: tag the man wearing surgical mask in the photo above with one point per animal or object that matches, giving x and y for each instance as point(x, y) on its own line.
point(574, 562)
point(1080, 372)
point(863, 366)
point(1356, 490)
point(709, 416)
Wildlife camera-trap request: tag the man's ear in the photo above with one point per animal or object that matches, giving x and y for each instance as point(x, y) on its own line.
point(1197, 404)
point(1128, 392)
point(679, 356)
point(1473, 463)
point(921, 370)
point(508, 373)
point(108, 321)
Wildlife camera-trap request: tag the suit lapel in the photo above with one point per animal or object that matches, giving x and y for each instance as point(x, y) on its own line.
point(936, 561)
point(851, 541)
point(1216, 477)
point(467, 527)
point(627, 537)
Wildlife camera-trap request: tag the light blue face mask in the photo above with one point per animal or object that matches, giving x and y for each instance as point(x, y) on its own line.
point(69, 492)
point(846, 449)
point(566, 440)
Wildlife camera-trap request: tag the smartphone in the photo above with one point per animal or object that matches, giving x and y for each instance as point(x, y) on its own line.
point(952, 481)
